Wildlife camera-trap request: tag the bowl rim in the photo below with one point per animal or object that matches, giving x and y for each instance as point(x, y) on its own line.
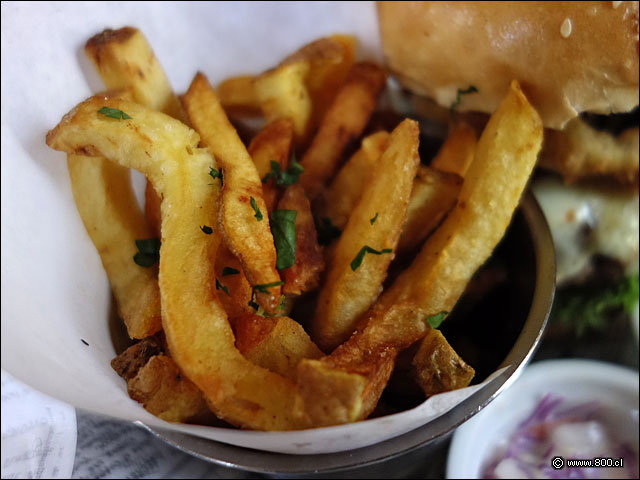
point(569, 370)
point(264, 462)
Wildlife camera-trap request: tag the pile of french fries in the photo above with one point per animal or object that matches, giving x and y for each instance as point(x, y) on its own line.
point(307, 216)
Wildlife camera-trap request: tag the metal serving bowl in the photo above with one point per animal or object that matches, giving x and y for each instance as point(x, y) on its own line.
point(501, 329)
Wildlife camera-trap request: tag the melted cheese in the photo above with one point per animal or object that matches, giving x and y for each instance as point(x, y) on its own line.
point(585, 220)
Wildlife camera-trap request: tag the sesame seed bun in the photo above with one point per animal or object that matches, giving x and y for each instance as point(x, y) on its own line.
point(569, 57)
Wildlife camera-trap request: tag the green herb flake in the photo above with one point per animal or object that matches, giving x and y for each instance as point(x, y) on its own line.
point(357, 261)
point(254, 205)
point(219, 286)
point(327, 231)
point(206, 229)
point(283, 228)
point(216, 174)
point(373, 220)
point(459, 93)
point(263, 288)
point(284, 179)
point(229, 271)
point(148, 252)
point(434, 321)
point(114, 113)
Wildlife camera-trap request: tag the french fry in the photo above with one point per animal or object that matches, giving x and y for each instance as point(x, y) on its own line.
point(231, 285)
point(304, 275)
point(271, 144)
point(434, 195)
point(490, 193)
point(375, 223)
point(243, 217)
point(343, 123)
point(282, 93)
point(124, 59)
point(456, 154)
point(154, 380)
point(108, 208)
point(330, 60)
point(276, 343)
point(198, 334)
point(238, 97)
point(128, 363)
point(437, 366)
point(344, 192)
point(167, 394)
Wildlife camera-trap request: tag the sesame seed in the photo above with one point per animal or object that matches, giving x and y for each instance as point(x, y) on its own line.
point(565, 29)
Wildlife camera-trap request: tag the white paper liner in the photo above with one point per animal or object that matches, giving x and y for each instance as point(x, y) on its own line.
point(54, 290)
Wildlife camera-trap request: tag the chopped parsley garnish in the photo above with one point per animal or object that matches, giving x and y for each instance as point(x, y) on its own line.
point(219, 286)
point(148, 252)
point(357, 261)
point(373, 220)
point(229, 271)
point(286, 178)
point(254, 205)
point(206, 229)
point(434, 321)
point(114, 113)
point(459, 93)
point(283, 228)
point(327, 231)
point(263, 288)
point(216, 174)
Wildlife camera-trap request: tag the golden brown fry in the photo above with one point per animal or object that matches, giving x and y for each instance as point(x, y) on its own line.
point(124, 59)
point(238, 97)
point(169, 395)
point(233, 289)
point(344, 192)
point(243, 217)
point(437, 366)
point(276, 343)
point(282, 93)
point(434, 195)
point(271, 144)
point(154, 380)
point(343, 123)
point(128, 363)
point(330, 59)
point(580, 151)
point(200, 339)
point(456, 154)
point(304, 275)
point(108, 208)
point(505, 157)
point(376, 222)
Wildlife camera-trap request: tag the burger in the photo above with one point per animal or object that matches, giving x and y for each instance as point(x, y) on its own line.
point(577, 63)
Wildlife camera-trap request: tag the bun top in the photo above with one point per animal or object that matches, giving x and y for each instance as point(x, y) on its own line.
point(569, 57)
